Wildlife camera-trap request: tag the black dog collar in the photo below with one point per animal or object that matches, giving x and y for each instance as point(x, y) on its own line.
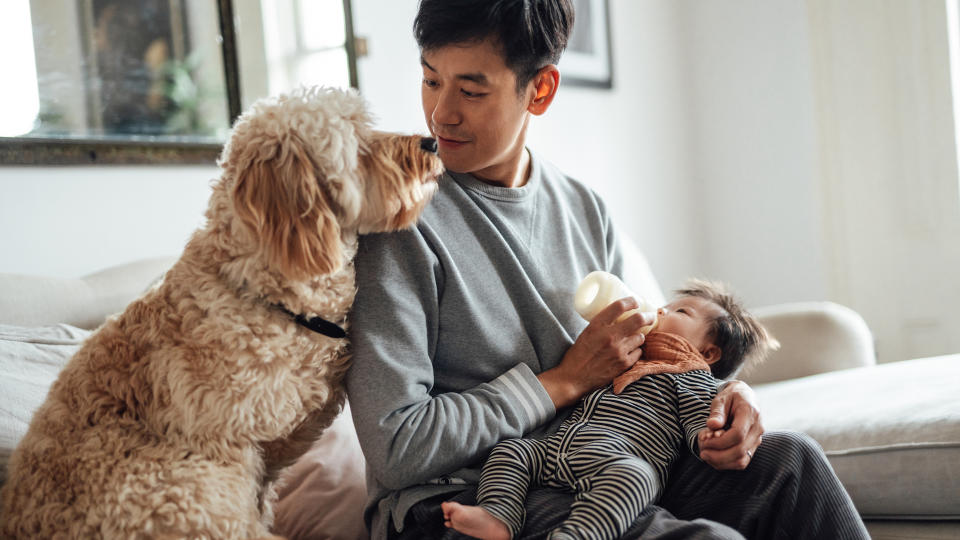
point(317, 324)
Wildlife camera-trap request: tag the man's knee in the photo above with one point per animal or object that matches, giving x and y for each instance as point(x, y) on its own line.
point(790, 457)
point(789, 448)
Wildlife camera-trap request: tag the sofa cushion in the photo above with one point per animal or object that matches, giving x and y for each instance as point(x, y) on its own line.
point(324, 493)
point(891, 432)
point(30, 359)
point(84, 302)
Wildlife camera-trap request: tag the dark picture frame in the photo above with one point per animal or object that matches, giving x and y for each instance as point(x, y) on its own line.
point(588, 59)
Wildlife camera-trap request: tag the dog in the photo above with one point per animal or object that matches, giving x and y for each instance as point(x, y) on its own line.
point(174, 418)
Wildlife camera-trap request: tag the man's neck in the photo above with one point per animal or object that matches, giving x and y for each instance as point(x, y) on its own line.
point(511, 176)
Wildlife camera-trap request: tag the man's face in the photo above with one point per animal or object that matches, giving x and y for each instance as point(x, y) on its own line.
point(471, 105)
point(690, 318)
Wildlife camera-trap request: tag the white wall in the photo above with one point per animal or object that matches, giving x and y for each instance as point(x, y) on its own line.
point(69, 221)
point(822, 143)
point(888, 145)
point(754, 148)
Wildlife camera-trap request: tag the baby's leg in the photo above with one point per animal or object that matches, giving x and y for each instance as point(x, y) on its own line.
point(609, 501)
point(512, 467)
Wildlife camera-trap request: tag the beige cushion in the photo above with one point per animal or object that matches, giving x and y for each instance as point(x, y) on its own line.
point(891, 432)
point(324, 493)
point(815, 337)
point(30, 359)
point(84, 302)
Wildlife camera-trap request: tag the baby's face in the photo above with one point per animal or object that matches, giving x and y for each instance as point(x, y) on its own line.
point(689, 317)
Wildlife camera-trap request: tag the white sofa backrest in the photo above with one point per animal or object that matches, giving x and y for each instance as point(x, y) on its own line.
point(638, 275)
point(83, 302)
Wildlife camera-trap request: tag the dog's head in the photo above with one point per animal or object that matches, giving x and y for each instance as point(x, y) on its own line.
point(399, 175)
point(303, 170)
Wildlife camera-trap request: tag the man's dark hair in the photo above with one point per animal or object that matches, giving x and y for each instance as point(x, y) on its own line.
point(736, 331)
point(531, 33)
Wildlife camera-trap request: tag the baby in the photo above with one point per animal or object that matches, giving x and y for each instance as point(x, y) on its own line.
point(616, 447)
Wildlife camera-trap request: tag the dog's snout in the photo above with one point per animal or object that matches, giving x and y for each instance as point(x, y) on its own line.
point(429, 144)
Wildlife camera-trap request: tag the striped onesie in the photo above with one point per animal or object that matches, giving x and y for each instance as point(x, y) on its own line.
point(614, 452)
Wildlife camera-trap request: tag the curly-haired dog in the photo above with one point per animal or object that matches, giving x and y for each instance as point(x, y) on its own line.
point(174, 417)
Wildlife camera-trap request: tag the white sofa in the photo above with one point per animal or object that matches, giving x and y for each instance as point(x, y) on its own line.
point(892, 432)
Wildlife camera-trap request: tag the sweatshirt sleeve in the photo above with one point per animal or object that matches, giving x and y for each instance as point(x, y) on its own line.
point(695, 393)
point(408, 434)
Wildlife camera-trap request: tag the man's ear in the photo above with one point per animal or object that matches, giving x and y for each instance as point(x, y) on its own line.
point(711, 353)
point(545, 84)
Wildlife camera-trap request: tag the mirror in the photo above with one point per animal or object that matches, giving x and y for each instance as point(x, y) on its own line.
point(155, 81)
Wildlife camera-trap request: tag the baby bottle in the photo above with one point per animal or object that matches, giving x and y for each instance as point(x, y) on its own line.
point(599, 289)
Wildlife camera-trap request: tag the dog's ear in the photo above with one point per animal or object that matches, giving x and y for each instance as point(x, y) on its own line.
point(279, 199)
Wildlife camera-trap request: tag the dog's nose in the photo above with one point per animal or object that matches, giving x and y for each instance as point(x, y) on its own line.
point(429, 144)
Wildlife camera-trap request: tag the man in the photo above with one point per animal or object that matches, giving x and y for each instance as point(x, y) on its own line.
point(464, 331)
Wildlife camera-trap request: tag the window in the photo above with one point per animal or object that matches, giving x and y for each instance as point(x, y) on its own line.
point(305, 41)
point(18, 111)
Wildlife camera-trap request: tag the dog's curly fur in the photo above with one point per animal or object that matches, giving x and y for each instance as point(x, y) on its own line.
point(174, 417)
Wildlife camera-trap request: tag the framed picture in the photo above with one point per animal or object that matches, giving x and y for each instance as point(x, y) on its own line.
point(587, 62)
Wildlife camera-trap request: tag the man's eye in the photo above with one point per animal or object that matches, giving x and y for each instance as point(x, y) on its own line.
point(430, 83)
point(472, 94)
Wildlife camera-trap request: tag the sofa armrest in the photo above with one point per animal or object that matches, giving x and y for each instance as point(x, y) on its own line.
point(815, 337)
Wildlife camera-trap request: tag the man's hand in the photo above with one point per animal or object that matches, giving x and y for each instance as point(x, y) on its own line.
point(606, 348)
point(735, 428)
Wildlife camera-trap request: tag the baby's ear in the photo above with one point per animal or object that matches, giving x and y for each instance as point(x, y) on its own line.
point(711, 353)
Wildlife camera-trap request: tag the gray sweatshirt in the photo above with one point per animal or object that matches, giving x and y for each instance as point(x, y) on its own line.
point(452, 321)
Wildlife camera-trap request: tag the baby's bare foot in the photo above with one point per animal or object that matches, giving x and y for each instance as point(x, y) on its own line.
point(474, 521)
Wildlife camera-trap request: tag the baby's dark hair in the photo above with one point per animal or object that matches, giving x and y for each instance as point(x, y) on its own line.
point(531, 33)
point(737, 333)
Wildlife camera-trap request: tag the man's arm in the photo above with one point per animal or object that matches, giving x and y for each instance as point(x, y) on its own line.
point(735, 411)
point(408, 435)
point(603, 350)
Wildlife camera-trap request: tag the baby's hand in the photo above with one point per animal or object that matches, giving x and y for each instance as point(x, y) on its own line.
point(707, 433)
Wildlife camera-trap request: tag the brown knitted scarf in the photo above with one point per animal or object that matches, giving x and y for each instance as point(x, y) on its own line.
point(662, 353)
